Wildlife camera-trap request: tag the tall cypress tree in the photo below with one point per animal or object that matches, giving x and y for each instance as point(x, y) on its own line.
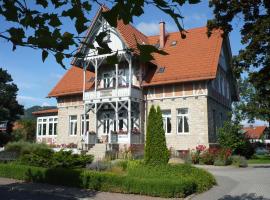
point(161, 150)
point(148, 151)
point(156, 151)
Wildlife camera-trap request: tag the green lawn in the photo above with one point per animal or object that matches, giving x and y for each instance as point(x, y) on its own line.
point(137, 178)
point(260, 159)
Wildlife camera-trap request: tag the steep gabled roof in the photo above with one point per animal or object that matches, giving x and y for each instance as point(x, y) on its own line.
point(193, 58)
point(72, 83)
point(129, 34)
point(255, 132)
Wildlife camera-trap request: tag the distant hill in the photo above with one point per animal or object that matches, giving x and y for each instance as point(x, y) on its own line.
point(28, 111)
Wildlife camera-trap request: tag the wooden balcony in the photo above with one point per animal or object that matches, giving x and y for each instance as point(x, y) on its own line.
point(107, 94)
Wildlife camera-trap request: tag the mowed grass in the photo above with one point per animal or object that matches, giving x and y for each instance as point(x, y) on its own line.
point(259, 159)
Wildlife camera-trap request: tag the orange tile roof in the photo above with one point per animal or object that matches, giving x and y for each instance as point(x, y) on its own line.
point(255, 132)
point(193, 58)
point(45, 112)
point(72, 83)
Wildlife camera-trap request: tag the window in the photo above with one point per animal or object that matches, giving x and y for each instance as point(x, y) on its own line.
point(73, 125)
point(107, 80)
point(39, 129)
point(182, 120)
point(214, 123)
point(47, 126)
point(44, 126)
point(221, 119)
point(82, 124)
point(166, 116)
point(51, 126)
point(55, 126)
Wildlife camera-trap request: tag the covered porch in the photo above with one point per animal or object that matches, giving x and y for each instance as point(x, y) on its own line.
point(116, 122)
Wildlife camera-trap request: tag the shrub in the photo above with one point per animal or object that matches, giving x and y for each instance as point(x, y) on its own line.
point(163, 180)
point(39, 157)
point(208, 156)
point(99, 165)
point(231, 136)
point(195, 157)
point(239, 161)
point(50, 159)
point(22, 147)
point(156, 151)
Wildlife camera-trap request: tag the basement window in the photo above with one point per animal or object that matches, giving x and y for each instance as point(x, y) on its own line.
point(161, 70)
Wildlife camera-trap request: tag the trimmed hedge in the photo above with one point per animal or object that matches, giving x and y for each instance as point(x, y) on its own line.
point(164, 181)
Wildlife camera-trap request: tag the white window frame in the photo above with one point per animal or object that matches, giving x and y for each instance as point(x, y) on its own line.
point(41, 121)
point(180, 115)
point(165, 115)
point(82, 123)
point(74, 130)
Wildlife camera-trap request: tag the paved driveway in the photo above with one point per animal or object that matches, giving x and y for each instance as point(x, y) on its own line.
point(252, 183)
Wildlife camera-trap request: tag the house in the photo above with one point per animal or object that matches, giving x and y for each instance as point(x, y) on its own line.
point(256, 133)
point(107, 105)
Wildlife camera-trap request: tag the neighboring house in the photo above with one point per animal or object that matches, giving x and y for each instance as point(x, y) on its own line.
point(4, 126)
point(193, 85)
point(256, 133)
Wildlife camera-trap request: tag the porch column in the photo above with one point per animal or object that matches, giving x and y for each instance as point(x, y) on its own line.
point(129, 121)
point(96, 74)
point(116, 115)
point(96, 121)
point(130, 74)
point(116, 78)
point(84, 106)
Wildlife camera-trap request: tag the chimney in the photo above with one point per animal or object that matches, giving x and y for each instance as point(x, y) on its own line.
point(161, 34)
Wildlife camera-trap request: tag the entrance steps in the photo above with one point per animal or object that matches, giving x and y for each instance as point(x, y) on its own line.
point(98, 151)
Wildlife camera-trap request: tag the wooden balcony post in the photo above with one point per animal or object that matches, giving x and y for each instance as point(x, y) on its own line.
point(129, 120)
point(116, 78)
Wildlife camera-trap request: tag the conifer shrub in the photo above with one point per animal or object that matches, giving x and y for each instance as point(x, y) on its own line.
point(156, 151)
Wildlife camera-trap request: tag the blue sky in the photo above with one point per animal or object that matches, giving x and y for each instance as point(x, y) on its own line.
point(35, 79)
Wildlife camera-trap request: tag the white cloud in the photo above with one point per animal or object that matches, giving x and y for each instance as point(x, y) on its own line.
point(27, 98)
point(45, 104)
point(195, 19)
point(56, 76)
point(152, 28)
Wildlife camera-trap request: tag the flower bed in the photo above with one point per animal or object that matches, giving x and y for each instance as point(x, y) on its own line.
point(210, 156)
point(164, 181)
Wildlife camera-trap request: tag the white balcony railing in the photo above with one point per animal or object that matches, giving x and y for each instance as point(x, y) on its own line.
point(112, 93)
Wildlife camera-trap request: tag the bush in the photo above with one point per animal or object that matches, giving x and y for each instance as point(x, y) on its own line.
point(208, 156)
point(156, 151)
point(239, 161)
point(22, 147)
point(50, 159)
point(163, 180)
point(231, 136)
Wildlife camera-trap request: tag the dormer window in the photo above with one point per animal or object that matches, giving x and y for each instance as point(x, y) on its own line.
point(161, 70)
point(173, 43)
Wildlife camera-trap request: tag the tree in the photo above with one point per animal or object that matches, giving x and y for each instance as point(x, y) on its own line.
point(254, 59)
point(253, 104)
point(156, 151)
point(39, 25)
point(26, 130)
point(231, 136)
point(10, 109)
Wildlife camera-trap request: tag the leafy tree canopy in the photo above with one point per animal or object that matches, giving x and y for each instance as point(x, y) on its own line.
point(10, 109)
point(38, 25)
point(254, 58)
